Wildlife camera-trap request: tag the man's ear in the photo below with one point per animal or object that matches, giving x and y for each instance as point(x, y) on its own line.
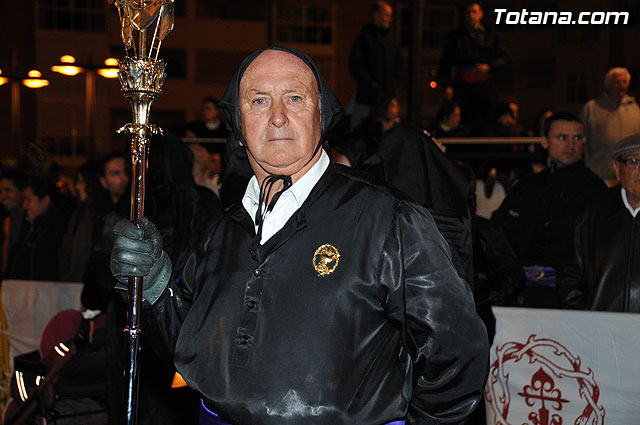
point(103, 182)
point(544, 142)
point(616, 168)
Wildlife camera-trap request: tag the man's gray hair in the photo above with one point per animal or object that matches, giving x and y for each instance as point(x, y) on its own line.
point(615, 71)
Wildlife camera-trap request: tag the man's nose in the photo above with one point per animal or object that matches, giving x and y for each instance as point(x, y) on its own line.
point(278, 114)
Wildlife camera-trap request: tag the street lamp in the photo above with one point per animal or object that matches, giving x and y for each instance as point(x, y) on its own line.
point(68, 66)
point(35, 80)
point(32, 80)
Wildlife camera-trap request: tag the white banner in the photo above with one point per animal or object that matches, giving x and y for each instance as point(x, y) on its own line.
point(563, 367)
point(29, 305)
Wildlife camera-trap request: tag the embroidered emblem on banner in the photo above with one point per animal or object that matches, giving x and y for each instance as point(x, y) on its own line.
point(325, 259)
point(541, 400)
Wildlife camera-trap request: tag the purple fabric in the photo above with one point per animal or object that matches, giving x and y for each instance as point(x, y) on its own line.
point(540, 275)
point(207, 417)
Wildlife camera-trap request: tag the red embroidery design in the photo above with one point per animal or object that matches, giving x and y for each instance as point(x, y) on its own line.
point(542, 390)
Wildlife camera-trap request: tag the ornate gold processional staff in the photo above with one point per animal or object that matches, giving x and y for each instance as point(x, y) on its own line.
point(141, 77)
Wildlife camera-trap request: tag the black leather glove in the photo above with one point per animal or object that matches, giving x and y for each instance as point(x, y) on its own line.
point(137, 251)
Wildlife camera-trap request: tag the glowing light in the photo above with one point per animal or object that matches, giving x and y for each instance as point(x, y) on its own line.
point(64, 347)
point(111, 62)
point(35, 83)
point(108, 72)
point(70, 70)
point(433, 84)
point(20, 384)
point(39, 379)
point(59, 351)
point(67, 69)
point(3, 81)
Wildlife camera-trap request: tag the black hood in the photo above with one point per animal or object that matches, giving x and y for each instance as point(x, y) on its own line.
point(331, 111)
point(237, 170)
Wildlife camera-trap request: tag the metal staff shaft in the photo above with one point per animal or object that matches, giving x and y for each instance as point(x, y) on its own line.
point(133, 330)
point(141, 77)
point(141, 132)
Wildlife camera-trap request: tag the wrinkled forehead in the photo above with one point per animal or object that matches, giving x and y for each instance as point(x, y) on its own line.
point(633, 154)
point(271, 64)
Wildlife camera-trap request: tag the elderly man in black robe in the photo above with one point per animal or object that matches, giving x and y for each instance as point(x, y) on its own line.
point(321, 297)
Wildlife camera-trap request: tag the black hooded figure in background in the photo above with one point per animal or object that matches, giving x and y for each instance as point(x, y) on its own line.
point(319, 297)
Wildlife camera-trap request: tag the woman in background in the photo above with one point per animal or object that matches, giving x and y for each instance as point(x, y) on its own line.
point(36, 253)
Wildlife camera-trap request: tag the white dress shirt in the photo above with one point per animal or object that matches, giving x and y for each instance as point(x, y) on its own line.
point(289, 202)
point(633, 212)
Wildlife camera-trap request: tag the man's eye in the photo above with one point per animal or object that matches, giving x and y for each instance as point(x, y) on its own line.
point(295, 98)
point(259, 101)
point(562, 137)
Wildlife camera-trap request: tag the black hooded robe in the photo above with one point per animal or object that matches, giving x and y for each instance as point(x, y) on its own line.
point(390, 333)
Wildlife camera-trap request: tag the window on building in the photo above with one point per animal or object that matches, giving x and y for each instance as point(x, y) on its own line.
point(242, 10)
point(72, 15)
point(437, 22)
point(589, 33)
point(217, 67)
point(180, 8)
point(577, 87)
point(176, 60)
point(303, 23)
point(581, 34)
point(325, 65)
point(541, 72)
point(633, 7)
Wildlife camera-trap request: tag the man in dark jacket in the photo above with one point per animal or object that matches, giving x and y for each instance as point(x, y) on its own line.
point(605, 271)
point(375, 62)
point(538, 214)
point(470, 57)
point(321, 297)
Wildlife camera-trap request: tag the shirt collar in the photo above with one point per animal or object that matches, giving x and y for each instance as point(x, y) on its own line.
point(633, 212)
point(299, 190)
point(626, 99)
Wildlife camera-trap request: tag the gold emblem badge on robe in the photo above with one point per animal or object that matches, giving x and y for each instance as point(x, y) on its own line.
point(325, 259)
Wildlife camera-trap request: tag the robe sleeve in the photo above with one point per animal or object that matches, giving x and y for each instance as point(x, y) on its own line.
point(162, 320)
point(435, 312)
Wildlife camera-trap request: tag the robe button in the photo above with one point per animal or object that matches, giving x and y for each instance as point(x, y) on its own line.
point(251, 304)
point(244, 340)
point(257, 273)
